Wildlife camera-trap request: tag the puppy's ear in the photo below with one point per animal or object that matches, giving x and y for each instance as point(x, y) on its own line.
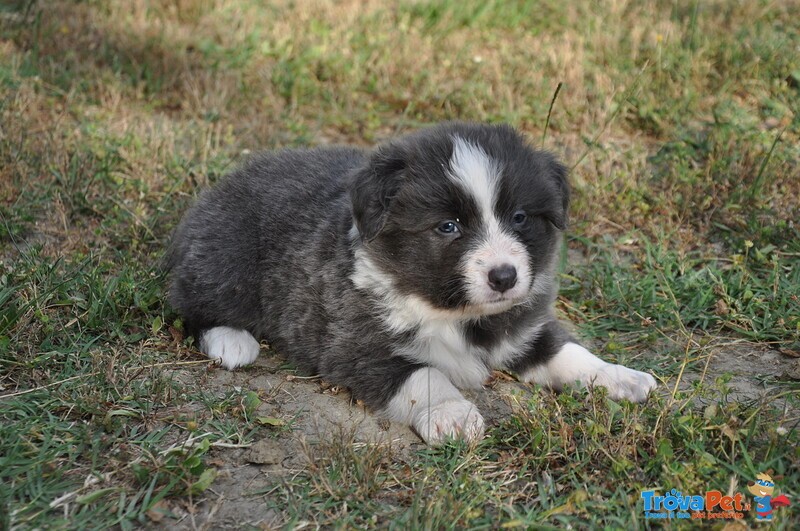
point(373, 187)
point(558, 172)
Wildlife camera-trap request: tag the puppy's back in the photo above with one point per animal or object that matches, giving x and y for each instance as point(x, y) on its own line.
point(249, 224)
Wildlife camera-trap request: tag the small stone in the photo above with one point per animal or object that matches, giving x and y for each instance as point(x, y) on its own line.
point(265, 452)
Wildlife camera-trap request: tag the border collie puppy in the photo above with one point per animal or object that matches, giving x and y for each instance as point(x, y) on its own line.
point(402, 273)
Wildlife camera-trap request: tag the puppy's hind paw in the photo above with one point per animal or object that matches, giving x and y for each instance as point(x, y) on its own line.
point(454, 419)
point(231, 346)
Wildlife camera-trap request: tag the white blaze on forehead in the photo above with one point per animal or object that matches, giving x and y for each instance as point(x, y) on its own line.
point(479, 175)
point(471, 167)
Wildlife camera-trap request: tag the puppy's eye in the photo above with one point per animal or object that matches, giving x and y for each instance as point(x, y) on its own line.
point(519, 218)
point(448, 227)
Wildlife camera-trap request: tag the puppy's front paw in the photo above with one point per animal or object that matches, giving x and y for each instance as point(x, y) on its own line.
point(232, 347)
point(573, 363)
point(622, 382)
point(457, 419)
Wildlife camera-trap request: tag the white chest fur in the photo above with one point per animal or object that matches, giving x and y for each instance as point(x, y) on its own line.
point(441, 344)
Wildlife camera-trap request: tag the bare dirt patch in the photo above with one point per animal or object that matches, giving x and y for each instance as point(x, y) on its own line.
point(308, 412)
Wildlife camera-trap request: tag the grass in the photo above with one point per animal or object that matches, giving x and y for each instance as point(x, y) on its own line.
point(681, 122)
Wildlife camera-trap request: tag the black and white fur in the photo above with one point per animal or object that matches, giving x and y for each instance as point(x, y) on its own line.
point(402, 273)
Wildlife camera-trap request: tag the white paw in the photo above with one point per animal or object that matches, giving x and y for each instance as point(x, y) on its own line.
point(622, 382)
point(573, 363)
point(457, 419)
point(231, 346)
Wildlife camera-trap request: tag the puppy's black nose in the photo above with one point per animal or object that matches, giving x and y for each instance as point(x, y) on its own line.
point(503, 278)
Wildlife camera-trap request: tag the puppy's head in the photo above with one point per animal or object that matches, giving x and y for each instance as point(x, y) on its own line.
point(465, 217)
